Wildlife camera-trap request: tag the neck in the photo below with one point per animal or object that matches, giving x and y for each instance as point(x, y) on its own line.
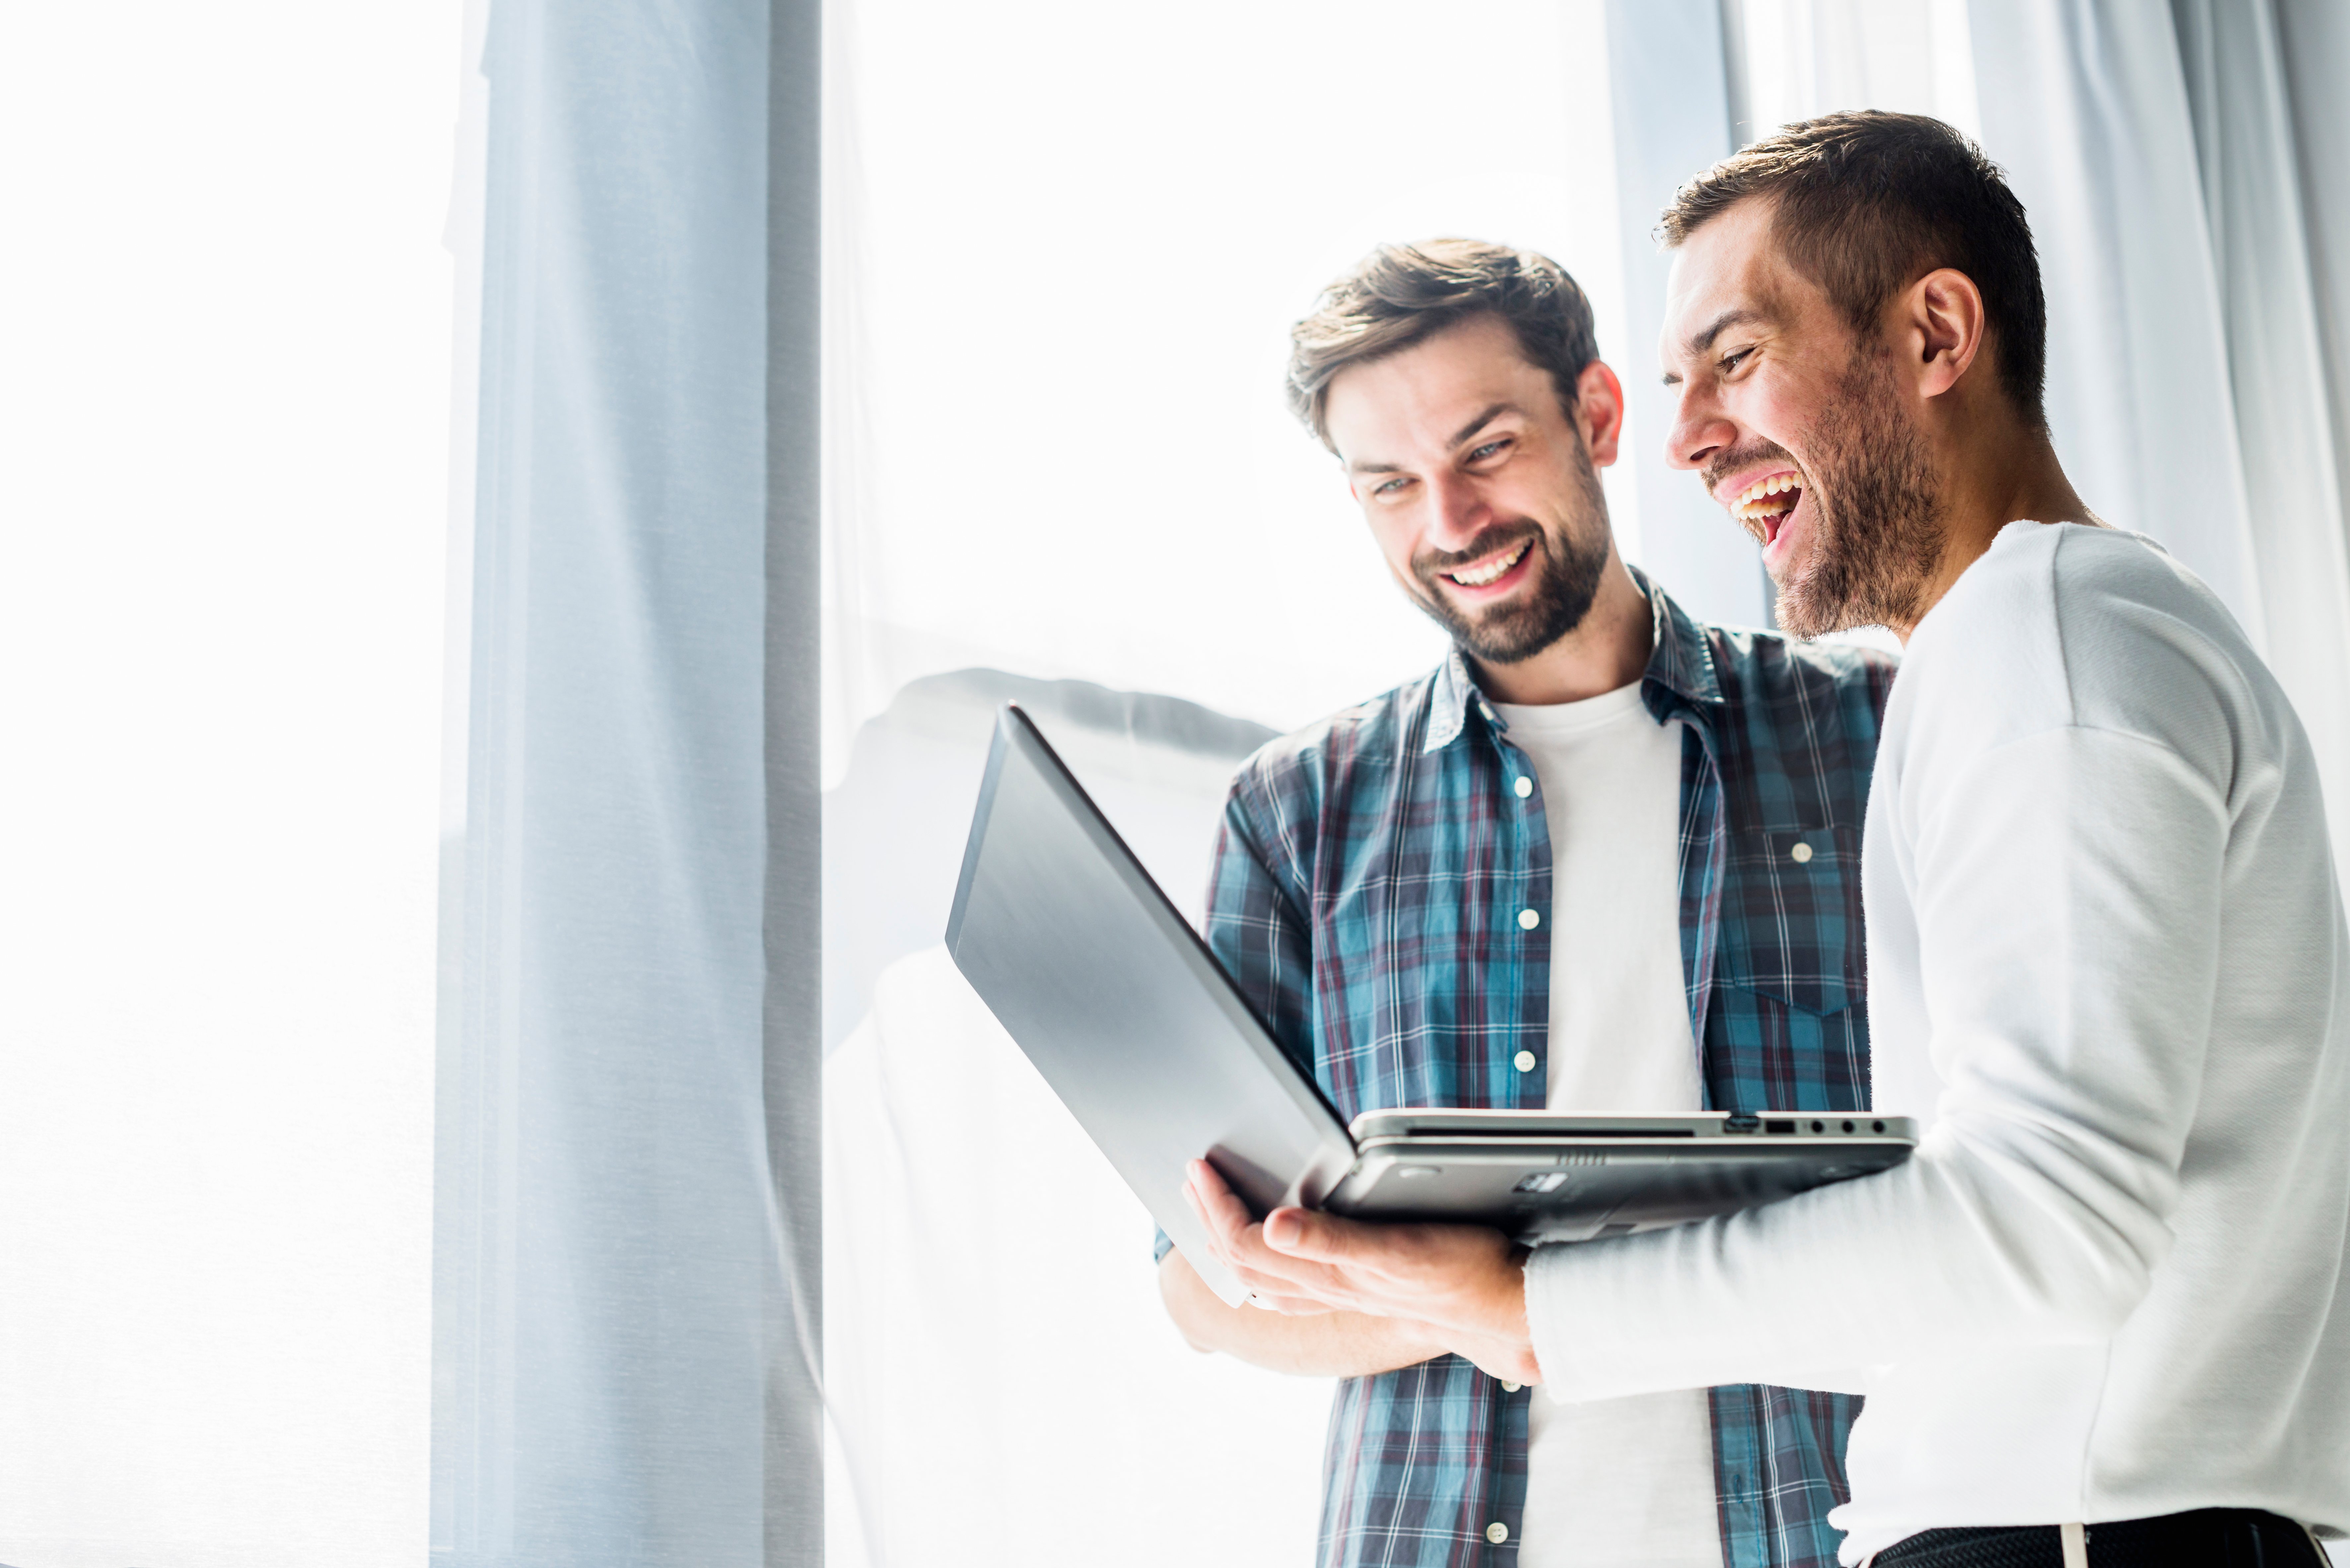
point(1608, 648)
point(2008, 476)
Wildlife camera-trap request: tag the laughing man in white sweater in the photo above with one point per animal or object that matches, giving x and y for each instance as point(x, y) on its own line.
point(2099, 1317)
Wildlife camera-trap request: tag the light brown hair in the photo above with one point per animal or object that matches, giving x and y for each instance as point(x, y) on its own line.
point(1402, 294)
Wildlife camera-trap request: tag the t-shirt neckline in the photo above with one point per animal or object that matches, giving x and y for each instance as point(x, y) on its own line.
point(1572, 718)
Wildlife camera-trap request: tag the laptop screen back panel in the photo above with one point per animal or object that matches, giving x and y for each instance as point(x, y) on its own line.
point(1121, 1008)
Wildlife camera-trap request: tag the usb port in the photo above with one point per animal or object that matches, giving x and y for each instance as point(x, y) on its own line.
point(1779, 1126)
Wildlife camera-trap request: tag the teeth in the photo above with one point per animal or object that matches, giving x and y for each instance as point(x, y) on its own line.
point(1479, 579)
point(1748, 504)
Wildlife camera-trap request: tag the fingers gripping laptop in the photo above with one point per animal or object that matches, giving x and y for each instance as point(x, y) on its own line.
point(1129, 1017)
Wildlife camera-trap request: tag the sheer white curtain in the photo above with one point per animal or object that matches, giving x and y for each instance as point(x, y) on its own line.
point(1065, 245)
point(223, 445)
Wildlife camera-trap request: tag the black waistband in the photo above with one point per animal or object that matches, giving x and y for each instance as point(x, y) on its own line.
point(2206, 1538)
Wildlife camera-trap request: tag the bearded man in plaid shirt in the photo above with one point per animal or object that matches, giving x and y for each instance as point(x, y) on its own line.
point(1603, 858)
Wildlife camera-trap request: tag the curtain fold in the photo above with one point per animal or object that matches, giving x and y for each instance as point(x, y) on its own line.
point(792, 1015)
point(2085, 106)
point(614, 1337)
point(2313, 38)
point(2255, 166)
point(2157, 151)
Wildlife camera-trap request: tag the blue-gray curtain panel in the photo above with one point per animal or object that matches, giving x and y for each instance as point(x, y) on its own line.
point(625, 1243)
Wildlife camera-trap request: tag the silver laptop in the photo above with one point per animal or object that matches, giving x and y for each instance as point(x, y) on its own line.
point(1139, 1030)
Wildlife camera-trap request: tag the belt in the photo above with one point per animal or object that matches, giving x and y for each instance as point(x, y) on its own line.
point(2206, 1538)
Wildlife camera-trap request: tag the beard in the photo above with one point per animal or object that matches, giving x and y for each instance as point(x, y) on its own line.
point(1876, 514)
point(1563, 567)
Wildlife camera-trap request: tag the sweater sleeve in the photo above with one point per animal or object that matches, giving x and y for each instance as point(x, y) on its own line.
point(2066, 887)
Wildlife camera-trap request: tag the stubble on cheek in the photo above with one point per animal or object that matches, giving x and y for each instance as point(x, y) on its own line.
point(1876, 526)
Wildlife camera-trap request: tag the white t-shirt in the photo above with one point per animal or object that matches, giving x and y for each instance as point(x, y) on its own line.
point(2109, 972)
point(1623, 1483)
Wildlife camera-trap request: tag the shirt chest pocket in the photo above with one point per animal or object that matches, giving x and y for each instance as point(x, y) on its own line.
point(1788, 1018)
point(1790, 918)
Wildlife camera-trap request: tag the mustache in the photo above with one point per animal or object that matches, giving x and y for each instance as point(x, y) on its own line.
point(1753, 452)
point(1501, 536)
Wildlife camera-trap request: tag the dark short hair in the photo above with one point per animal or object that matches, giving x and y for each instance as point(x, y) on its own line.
point(1867, 203)
point(1402, 294)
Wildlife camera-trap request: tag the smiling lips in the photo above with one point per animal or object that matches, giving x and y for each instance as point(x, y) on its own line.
point(1764, 506)
point(1490, 571)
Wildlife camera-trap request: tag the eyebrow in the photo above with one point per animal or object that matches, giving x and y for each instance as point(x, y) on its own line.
point(1459, 439)
point(1480, 422)
point(1737, 316)
point(1704, 338)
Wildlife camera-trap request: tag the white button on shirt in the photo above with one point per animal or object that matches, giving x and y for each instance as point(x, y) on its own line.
point(1526, 1060)
point(1528, 919)
point(1524, 787)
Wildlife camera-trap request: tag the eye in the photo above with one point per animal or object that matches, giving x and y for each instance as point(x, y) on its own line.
point(1731, 362)
point(1480, 454)
point(1390, 487)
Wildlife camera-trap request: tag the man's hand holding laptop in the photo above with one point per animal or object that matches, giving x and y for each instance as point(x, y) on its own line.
point(1463, 1286)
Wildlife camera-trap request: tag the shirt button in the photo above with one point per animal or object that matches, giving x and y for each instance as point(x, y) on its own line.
point(1497, 1533)
point(1524, 787)
point(1528, 919)
point(1511, 1387)
point(1525, 1061)
point(1802, 852)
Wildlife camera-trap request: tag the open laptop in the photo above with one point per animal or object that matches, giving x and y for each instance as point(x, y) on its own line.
point(1145, 1038)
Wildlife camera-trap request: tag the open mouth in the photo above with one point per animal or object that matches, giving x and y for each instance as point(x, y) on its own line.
point(1486, 573)
point(1764, 506)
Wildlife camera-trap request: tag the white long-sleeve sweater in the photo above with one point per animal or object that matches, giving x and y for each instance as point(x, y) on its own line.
point(2109, 972)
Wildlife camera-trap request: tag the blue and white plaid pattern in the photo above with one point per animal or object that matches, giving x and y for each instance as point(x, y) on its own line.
point(1366, 893)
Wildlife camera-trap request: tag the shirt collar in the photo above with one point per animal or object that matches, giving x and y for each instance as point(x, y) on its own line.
point(1680, 659)
point(1680, 665)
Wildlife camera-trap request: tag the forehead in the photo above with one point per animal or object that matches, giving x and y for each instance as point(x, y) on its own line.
point(1420, 394)
point(1730, 271)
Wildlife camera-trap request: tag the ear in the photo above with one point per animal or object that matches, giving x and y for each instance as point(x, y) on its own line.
point(1942, 317)
point(1599, 411)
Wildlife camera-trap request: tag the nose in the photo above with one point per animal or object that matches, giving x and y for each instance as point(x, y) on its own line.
point(1699, 429)
point(1458, 511)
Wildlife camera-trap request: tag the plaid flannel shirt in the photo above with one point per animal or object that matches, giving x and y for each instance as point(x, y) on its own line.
point(1366, 896)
